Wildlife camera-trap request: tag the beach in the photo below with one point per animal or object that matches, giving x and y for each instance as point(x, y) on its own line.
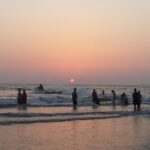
point(74, 75)
point(87, 128)
point(49, 122)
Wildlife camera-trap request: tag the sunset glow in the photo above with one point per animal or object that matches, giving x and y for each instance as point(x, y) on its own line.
point(94, 41)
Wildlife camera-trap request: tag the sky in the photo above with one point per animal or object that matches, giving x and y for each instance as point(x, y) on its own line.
point(91, 41)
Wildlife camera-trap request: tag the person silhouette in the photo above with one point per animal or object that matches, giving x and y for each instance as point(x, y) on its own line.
point(74, 98)
point(19, 96)
point(135, 97)
point(95, 97)
point(24, 97)
point(114, 97)
point(139, 100)
point(103, 92)
point(41, 87)
point(124, 99)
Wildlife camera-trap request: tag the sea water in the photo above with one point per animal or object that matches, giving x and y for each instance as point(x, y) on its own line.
point(126, 133)
point(8, 94)
point(49, 122)
point(54, 107)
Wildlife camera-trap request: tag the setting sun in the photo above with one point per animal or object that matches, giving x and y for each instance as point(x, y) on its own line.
point(72, 81)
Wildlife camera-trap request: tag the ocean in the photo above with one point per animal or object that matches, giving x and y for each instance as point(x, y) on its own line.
point(8, 94)
point(49, 122)
point(54, 104)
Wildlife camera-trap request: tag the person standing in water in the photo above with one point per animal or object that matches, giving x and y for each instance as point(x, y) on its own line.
point(139, 101)
point(124, 99)
point(103, 92)
point(114, 97)
point(24, 97)
point(74, 98)
point(19, 96)
point(95, 97)
point(135, 97)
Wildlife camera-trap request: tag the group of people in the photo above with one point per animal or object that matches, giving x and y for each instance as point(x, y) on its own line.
point(21, 96)
point(137, 98)
point(95, 98)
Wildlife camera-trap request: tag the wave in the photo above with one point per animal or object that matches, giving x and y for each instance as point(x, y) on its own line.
point(8, 94)
point(74, 114)
point(29, 118)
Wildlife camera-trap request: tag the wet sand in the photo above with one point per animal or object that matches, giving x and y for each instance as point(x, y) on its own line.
point(125, 133)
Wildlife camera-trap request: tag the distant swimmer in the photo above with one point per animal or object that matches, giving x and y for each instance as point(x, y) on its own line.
point(74, 98)
point(103, 92)
point(114, 97)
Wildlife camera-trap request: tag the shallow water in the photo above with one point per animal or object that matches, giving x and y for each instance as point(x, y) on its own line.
point(57, 128)
point(28, 115)
point(126, 133)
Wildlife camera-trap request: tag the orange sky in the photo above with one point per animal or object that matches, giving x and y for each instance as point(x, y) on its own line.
point(103, 42)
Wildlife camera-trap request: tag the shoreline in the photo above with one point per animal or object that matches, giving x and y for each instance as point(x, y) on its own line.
point(33, 115)
point(65, 105)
